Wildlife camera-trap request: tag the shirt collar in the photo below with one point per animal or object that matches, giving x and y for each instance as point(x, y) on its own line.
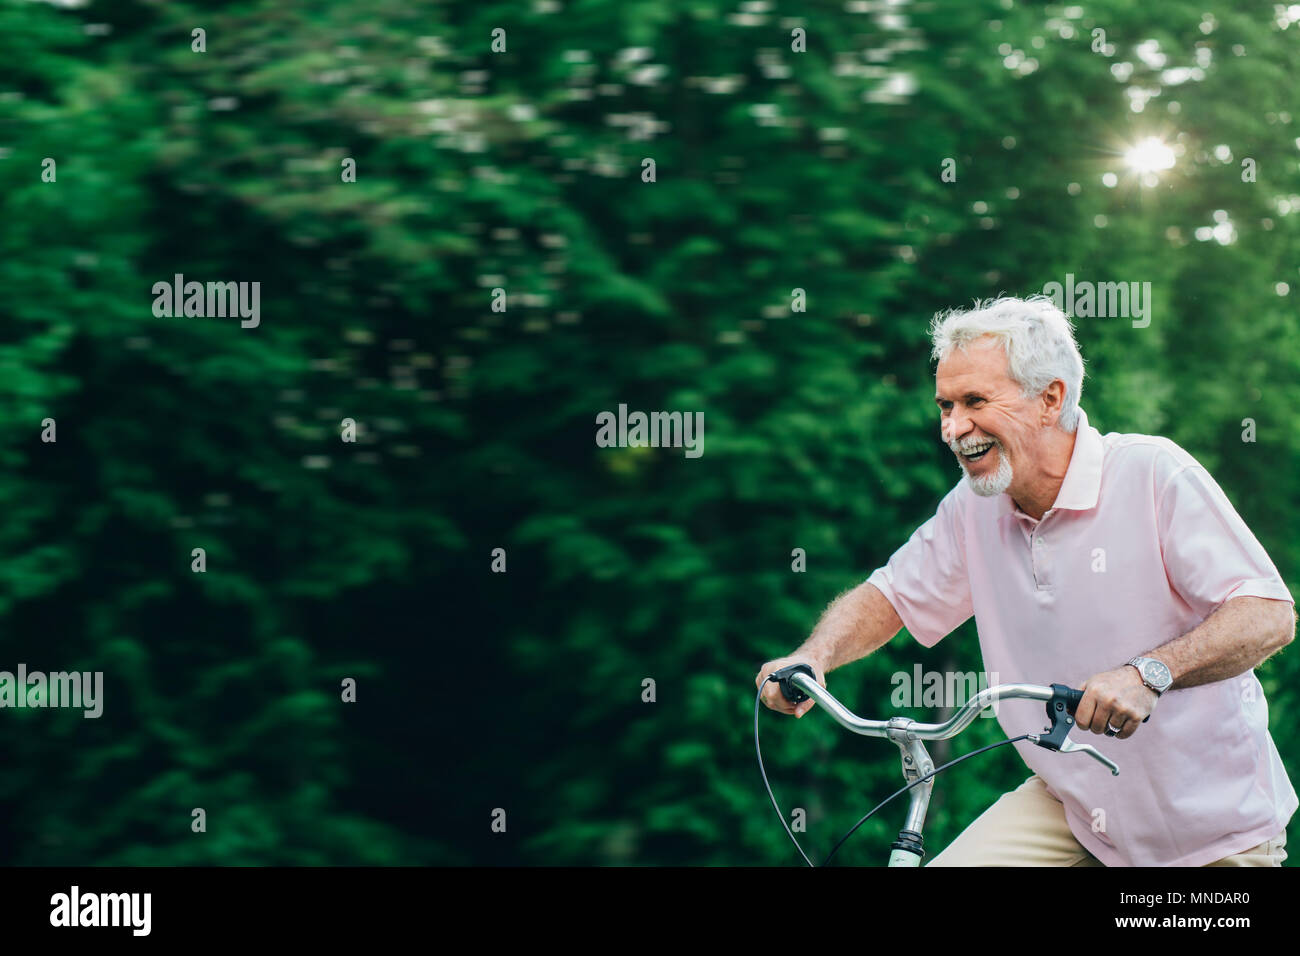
point(1082, 484)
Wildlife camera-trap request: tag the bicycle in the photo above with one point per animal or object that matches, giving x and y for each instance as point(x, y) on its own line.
point(798, 683)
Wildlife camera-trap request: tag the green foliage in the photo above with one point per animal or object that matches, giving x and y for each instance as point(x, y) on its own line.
point(523, 170)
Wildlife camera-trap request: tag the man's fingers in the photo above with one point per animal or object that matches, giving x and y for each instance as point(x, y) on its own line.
point(1091, 714)
point(1125, 724)
point(1108, 705)
point(1084, 712)
point(775, 700)
point(1101, 721)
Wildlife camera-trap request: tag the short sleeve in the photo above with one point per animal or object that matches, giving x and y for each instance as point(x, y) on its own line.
point(926, 579)
point(1210, 554)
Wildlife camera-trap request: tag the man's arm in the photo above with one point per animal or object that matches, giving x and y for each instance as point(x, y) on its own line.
point(856, 623)
point(925, 579)
point(1209, 554)
point(1243, 633)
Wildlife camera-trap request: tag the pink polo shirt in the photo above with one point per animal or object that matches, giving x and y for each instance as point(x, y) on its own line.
point(1139, 548)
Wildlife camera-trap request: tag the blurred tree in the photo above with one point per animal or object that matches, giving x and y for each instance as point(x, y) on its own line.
point(523, 171)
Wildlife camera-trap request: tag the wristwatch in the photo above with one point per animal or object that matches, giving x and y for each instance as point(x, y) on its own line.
point(1154, 674)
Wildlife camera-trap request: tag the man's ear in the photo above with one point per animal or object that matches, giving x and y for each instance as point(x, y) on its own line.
point(1053, 398)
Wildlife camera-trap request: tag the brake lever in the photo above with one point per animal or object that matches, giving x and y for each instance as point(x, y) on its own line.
point(1070, 747)
point(1055, 737)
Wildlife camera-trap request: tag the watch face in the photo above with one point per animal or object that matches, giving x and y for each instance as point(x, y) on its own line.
point(1156, 673)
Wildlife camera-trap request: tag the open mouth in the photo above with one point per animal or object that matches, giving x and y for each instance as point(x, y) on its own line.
point(977, 452)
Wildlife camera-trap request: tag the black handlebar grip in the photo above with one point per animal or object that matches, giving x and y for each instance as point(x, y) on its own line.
point(793, 694)
point(1072, 696)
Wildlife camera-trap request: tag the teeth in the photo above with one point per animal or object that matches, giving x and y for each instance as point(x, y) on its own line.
point(976, 449)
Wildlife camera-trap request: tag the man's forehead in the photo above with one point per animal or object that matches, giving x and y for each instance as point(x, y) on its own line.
point(984, 350)
point(982, 365)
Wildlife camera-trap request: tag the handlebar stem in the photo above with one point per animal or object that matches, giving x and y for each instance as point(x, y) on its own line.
point(916, 763)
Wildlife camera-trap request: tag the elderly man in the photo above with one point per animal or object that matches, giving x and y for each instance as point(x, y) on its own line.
point(1113, 563)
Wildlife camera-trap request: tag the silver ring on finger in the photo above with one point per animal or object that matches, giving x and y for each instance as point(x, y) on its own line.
point(1112, 731)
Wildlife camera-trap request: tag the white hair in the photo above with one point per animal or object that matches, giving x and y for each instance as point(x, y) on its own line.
point(1036, 336)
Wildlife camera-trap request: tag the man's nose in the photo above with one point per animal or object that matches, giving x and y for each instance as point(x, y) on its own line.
point(954, 427)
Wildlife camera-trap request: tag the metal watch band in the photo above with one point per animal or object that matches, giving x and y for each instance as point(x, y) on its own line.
point(1138, 662)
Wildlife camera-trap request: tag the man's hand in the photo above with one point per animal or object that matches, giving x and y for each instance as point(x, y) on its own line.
point(772, 696)
point(1118, 697)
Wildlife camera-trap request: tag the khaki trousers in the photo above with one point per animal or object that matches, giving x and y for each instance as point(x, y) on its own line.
point(1027, 827)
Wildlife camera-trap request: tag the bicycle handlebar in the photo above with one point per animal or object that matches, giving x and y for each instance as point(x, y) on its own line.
point(798, 683)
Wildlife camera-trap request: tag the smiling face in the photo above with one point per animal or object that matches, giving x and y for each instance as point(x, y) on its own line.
point(994, 431)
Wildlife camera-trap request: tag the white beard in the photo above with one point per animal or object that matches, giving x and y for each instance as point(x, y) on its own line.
point(988, 486)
